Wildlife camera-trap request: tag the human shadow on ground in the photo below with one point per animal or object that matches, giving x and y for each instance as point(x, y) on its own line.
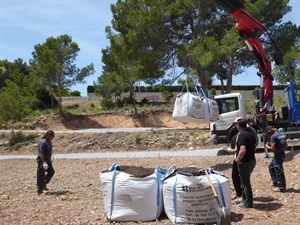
point(222, 152)
point(266, 204)
point(292, 190)
point(290, 155)
point(222, 166)
point(58, 193)
point(269, 206)
point(236, 217)
point(264, 199)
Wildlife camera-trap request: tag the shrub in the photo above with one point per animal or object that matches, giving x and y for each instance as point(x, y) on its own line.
point(43, 100)
point(75, 93)
point(19, 137)
point(120, 103)
point(16, 138)
point(167, 95)
point(212, 91)
point(107, 104)
point(90, 89)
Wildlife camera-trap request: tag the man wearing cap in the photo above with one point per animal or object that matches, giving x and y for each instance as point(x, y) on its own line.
point(277, 145)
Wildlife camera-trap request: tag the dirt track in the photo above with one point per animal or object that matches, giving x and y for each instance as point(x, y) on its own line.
point(75, 191)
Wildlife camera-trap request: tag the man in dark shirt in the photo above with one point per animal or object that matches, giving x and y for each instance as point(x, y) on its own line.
point(45, 169)
point(235, 176)
point(245, 159)
point(277, 145)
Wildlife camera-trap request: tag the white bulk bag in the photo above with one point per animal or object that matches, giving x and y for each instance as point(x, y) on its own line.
point(188, 108)
point(189, 199)
point(211, 109)
point(191, 108)
point(129, 198)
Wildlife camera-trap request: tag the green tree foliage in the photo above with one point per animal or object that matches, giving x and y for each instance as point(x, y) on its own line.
point(4, 73)
point(234, 56)
point(189, 83)
point(18, 72)
point(43, 100)
point(75, 93)
point(230, 62)
point(155, 36)
point(14, 106)
point(290, 71)
point(21, 74)
point(90, 89)
point(54, 62)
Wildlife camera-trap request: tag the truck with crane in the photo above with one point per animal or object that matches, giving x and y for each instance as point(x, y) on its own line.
point(232, 105)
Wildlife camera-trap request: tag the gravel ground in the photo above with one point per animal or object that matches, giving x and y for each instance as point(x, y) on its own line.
point(116, 155)
point(75, 195)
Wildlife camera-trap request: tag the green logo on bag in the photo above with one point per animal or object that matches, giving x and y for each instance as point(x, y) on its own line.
point(193, 188)
point(185, 188)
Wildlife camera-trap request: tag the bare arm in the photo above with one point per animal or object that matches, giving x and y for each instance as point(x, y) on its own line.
point(42, 157)
point(241, 153)
point(230, 151)
point(271, 147)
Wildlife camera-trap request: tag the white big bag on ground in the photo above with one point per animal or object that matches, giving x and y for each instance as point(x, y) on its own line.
point(192, 108)
point(130, 198)
point(189, 199)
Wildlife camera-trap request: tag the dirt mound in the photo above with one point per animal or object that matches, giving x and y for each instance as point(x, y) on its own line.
point(113, 120)
point(190, 136)
point(75, 195)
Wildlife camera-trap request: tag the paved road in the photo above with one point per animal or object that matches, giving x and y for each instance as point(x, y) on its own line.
point(101, 130)
point(137, 154)
point(140, 154)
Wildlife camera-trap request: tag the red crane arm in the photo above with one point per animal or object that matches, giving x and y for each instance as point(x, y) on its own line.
point(250, 30)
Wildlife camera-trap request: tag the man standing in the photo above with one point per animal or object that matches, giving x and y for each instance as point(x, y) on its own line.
point(235, 176)
point(277, 145)
point(245, 159)
point(45, 169)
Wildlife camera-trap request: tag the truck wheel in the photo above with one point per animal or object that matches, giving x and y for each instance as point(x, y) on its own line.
point(215, 141)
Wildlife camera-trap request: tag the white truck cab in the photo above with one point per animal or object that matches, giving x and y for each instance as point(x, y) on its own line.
point(231, 107)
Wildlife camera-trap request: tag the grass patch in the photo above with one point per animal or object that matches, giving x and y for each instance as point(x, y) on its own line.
point(17, 138)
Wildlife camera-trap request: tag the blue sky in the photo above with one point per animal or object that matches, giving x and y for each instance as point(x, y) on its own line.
point(25, 23)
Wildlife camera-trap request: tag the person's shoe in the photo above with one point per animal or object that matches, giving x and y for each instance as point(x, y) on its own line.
point(238, 200)
point(245, 206)
point(39, 191)
point(273, 184)
point(278, 189)
point(45, 188)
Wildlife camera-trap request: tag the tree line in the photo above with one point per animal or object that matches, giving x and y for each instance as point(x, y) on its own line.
point(151, 39)
point(154, 42)
point(40, 84)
